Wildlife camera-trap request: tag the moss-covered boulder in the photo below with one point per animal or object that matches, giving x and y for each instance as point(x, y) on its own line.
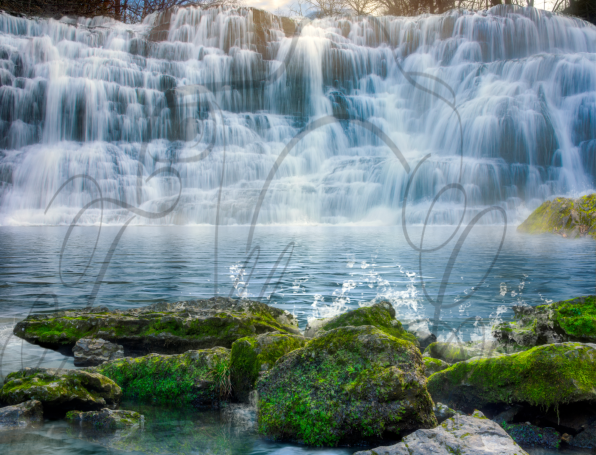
point(201, 378)
point(60, 391)
point(567, 217)
point(253, 356)
point(168, 328)
point(567, 320)
point(545, 376)
point(348, 384)
point(432, 366)
point(106, 419)
point(453, 352)
point(380, 315)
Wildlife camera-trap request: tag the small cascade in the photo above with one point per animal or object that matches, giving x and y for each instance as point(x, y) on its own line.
point(182, 119)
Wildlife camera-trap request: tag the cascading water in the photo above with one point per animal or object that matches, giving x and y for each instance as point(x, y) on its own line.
point(202, 103)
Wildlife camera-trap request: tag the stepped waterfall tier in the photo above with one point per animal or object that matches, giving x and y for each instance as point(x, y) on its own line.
point(204, 116)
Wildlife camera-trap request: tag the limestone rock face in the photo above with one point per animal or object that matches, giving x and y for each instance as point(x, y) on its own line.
point(167, 328)
point(464, 435)
point(22, 415)
point(252, 356)
point(60, 391)
point(106, 419)
point(201, 378)
point(348, 384)
point(567, 320)
point(380, 315)
point(94, 351)
point(567, 217)
point(545, 376)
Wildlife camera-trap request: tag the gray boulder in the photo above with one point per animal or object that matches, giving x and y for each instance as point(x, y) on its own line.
point(585, 439)
point(90, 352)
point(463, 435)
point(22, 415)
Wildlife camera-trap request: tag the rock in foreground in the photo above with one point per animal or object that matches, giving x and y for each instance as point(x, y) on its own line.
point(545, 376)
point(22, 415)
point(349, 384)
point(464, 435)
point(567, 217)
point(89, 352)
point(567, 320)
point(253, 356)
point(380, 315)
point(168, 328)
point(199, 377)
point(60, 391)
point(106, 419)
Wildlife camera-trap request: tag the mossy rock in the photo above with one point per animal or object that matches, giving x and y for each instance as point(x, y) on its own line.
point(253, 356)
point(106, 419)
point(60, 391)
point(167, 328)
point(23, 415)
point(567, 217)
point(567, 320)
point(201, 378)
point(546, 376)
point(432, 366)
point(453, 352)
point(348, 384)
point(380, 315)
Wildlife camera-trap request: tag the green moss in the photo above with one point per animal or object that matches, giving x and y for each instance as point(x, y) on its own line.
point(562, 215)
point(253, 355)
point(381, 316)
point(344, 384)
point(577, 317)
point(543, 376)
point(200, 377)
point(434, 365)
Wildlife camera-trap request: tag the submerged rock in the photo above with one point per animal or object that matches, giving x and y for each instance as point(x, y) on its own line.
point(465, 435)
point(567, 320)
point(434, 365)
point(253, 356)
point(168, 328)
point(94, 351)
point(544, 376)
point(380, 315)
point(529, 435)
point(60, 391)
point(567, 217)
point(106, 419)
point(201, 377)
point(22, 415)
point(348, 384)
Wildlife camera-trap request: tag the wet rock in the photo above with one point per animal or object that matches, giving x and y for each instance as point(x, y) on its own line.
point(60, 391)
point(94, 351)
point(507, 415)
point(201, 378)
point(434, 365)
point(106, 419)
point(545, 376)
point(348, 384)
point(585, 439)
point(161, 27)
point(22, 415)
point(252, 356)
point(469, 435)
point(168, 328)
point(528, 435)
point(569, 218)
point(380, 315)
point(567, 320)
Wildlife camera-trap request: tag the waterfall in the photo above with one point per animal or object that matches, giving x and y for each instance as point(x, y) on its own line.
point(186, 115)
